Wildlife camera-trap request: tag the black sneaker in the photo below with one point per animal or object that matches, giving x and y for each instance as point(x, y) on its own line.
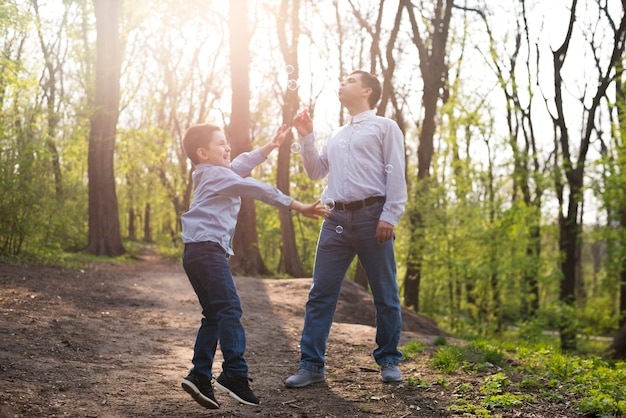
point(237, 387)
point(201, 390)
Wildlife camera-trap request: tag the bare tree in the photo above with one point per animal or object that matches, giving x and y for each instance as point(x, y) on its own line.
point(432, 58)
point(288, 20)
point(50, 86)
point(246, 240)
point(527, 167)
point(615, 201)
point(104, 226)
point(571, 169)
point(384, 60)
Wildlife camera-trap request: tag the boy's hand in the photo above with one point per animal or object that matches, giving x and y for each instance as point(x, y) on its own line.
point(303, 123)
point(281, 134)
point(279, 138)
point(313, 210)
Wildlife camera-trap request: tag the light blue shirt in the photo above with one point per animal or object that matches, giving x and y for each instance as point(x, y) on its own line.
point(363, 158)
point(217, 192)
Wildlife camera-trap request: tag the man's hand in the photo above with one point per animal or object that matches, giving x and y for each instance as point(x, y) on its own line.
point(303, 123)
point(384, 232)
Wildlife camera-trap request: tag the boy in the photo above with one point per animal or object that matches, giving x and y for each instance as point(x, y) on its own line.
point(207, 229)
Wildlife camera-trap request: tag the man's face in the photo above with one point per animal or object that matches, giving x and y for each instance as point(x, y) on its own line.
point(351, 90)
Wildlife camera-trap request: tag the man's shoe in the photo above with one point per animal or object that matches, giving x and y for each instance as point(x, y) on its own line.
point(304, 378)
point(200, 389)
point(390, 373)
point(237, 387)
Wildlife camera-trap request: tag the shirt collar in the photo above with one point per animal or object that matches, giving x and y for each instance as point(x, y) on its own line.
point(361, 116)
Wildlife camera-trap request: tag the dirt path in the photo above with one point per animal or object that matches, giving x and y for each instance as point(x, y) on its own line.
point(115, 340)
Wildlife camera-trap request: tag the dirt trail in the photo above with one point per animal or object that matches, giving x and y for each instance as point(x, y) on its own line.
point(115, 340)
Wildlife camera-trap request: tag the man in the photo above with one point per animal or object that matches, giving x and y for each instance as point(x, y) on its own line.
point(364, 161)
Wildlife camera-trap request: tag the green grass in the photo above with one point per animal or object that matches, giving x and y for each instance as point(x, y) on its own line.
point(518, 374)
point(412, 349)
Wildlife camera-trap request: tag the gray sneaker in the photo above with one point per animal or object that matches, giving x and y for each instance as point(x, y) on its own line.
point(304, 378)
point(390, 373)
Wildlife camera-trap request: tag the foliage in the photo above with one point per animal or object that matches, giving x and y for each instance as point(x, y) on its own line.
point(411, 349)
point(483, 245)
point(525, 373)
point(597, 382)
point(448, 358)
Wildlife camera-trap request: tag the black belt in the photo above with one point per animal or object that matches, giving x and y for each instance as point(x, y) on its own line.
point(359, 204)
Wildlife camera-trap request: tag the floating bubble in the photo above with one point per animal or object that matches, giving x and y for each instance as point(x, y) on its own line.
point(295, 148)
point(388, 168)
point(329, 203)
point(343, 142)
point(289, 69)
point(293, 84)
point(356, 127)
point(339, 229)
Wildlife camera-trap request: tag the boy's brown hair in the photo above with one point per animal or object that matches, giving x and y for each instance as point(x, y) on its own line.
point(197, 136)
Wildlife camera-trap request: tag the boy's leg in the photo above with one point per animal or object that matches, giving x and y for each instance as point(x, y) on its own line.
point(215, 287)
point(209, 273)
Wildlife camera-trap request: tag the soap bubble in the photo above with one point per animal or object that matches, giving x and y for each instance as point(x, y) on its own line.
point(339, 229)
point(388, 168)
point(293, 84)
point(295, 148)
point(356, 127)
point(289, 69)
point(329, 203)
point(343, 142)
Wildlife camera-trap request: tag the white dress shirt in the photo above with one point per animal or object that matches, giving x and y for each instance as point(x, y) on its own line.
point(212, 216)
point(363, 158)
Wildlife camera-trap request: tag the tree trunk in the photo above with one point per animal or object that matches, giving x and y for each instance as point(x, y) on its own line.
point(132, 233)
point(147, 235)
point(620, 94)
point(104, 226)
point(290, 258)
point(247, 260)
point(617, 349)
point(432, 63)
point(574, 168)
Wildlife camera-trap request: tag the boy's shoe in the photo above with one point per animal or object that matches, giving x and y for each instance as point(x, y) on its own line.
point(304, 378)
point(237, 387)
point(390, 373)
point(200, 389)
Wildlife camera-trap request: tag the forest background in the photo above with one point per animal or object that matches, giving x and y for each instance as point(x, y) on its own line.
point(513, 115)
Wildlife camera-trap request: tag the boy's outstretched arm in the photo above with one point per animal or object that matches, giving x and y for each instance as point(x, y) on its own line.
point(279, 138)
point(313, 210)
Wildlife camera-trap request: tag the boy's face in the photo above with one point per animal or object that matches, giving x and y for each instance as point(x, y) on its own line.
point(217, 151)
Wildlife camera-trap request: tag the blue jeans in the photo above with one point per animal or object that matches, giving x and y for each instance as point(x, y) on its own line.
point(208, 271)
point(343, 235)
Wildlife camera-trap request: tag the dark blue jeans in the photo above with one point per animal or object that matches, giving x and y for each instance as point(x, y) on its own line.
point(208, 271)
point(343, 235)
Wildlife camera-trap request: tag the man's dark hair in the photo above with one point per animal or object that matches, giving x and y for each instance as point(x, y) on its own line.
point(371, 81)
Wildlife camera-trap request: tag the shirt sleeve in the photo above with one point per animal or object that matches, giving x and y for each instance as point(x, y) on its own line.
point(395, 184)
point(232, 184)
point(245, 162)
point(315, 163)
